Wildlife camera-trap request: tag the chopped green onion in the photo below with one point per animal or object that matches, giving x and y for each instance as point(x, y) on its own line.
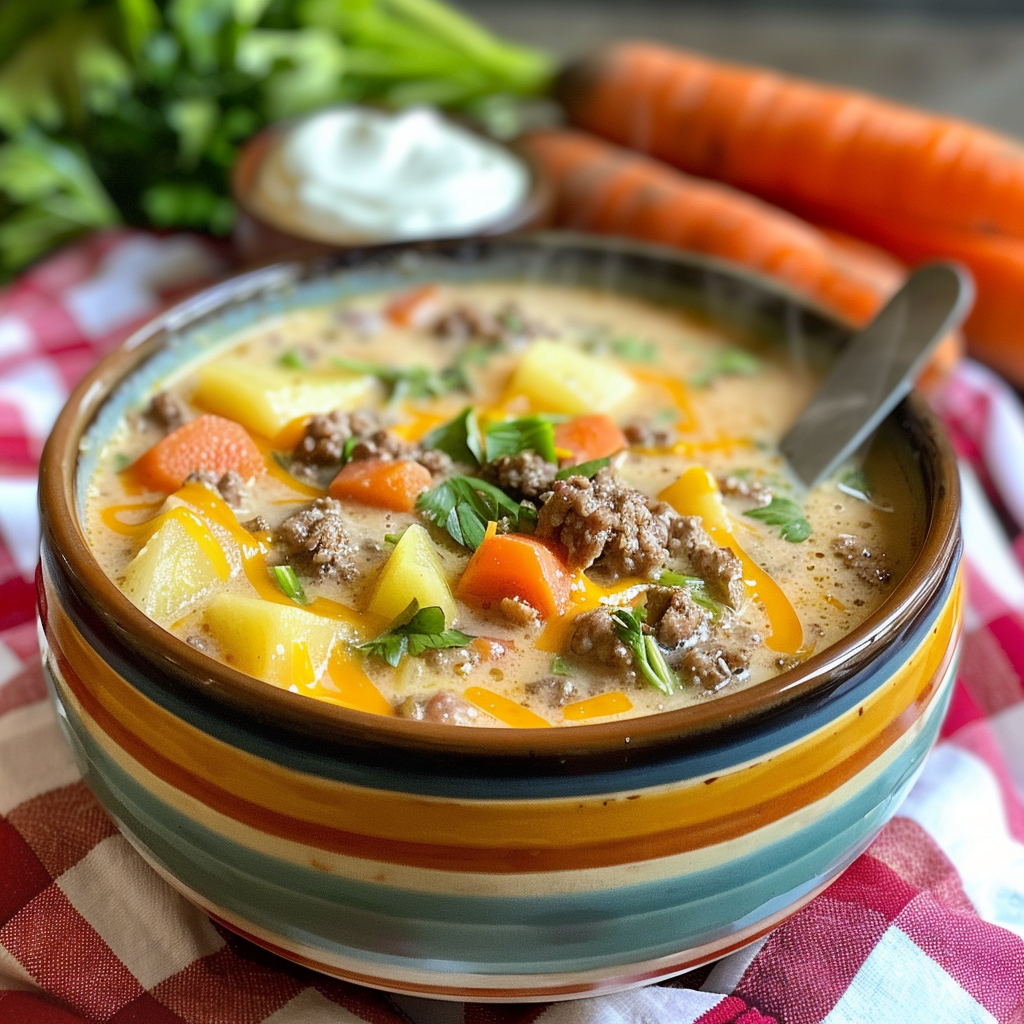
point(647, 657)
point(289, 583)
point(293, 359)
point(588, 469)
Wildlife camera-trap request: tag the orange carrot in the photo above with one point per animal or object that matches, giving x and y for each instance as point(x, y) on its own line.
point(590, 437)
point(208, 442)
point(411, 308)
point(602, 188)
point(794, 141)
point(394, 485)
point(511, 565)
point(993, 328)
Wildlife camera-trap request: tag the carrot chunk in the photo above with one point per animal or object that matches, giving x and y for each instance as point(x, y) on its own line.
point(411, 308)
point(511, 565)
point(394, 485)
point(590, 437)
point(209, 442)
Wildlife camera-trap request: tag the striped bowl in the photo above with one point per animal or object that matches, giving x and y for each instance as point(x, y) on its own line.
point(489, 864)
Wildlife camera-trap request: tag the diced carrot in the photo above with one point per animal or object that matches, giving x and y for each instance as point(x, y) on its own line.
point(394, 485)
point(411, 308)
point(208, 442)
point(511, 565)
point(590, 437)
point(489, 648)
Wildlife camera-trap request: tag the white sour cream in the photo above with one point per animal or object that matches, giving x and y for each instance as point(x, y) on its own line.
point(354, 173)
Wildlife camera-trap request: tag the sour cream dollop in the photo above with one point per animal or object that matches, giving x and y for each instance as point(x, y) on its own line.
point(355, 173)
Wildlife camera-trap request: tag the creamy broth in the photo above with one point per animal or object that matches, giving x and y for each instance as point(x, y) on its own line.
point(687, 397)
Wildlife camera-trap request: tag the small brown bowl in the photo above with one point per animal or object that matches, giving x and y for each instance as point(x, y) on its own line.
point(259, 237)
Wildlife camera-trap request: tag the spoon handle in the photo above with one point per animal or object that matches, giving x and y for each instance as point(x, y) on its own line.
point(876, 369)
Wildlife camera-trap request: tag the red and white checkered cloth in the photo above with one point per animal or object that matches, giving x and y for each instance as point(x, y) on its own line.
point(927, 926)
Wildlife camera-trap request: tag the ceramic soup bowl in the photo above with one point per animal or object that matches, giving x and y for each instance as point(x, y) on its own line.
point(490, 864)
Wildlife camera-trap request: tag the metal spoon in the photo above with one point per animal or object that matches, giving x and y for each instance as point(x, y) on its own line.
point(876, 369)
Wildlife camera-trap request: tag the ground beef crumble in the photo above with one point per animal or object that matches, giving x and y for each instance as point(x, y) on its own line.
point(645, 434)
point(317, 535)
point(674, 617)
point(442, 707)
point(322, 445)
point(525, 475)
point(593, 639)
point(867, 562)
point(467, 322)
point(230, 486)
point(166, 410)
point(606, 522)
point(323, 441)
point(719, 567)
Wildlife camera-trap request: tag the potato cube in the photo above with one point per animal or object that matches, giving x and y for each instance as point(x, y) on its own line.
point(559, 378)
point(266, 399)
point(413, 572)
point(282, 644)
point(180, 563)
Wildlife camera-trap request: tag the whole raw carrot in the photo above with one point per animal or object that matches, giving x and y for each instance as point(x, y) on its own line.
point(995, 327)
point(604, 188)
point(793, 141)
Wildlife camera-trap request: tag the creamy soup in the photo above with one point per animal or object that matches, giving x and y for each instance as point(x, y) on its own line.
point(494, 505)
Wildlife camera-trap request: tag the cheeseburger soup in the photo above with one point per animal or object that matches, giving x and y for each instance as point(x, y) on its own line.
point(494, 505)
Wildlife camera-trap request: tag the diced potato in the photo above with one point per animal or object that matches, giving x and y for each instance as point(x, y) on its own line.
point(413, 572)
point(181, 563)
point(265, 399)
point(559, 378)
point(282, 644)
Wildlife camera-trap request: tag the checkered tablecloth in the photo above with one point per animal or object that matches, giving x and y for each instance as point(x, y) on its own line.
point(927, 927)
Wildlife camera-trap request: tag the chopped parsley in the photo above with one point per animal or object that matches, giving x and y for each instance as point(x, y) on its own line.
point(588, 469)
point(855, 484)
point(787, 515)
point(647, 657)
point(408, 381)
point(284, 576)
point(464, 505)
point(293, 359)
point(121, 461)
point(459, 438)
point(462, 439)
point(731, 362)
point(510, 437)
point(559, 666)
point(414, 631)
point(628, 347)
point(695, 585)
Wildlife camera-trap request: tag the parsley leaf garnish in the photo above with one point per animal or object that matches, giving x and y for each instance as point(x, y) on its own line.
point(459, 438)
point(697, 587)
point(647, 657)
point(559, 666)
point(407, 381)
point(731, 362)
point(784, 513)
point(510, 437)
point(414, 631)
point(464, 505)
point(293, 359)
point(855, 483)
point(284, 576)
point(588, 469)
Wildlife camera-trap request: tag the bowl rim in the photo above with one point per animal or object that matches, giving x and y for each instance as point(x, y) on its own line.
point(238, 692)
point(532, 208)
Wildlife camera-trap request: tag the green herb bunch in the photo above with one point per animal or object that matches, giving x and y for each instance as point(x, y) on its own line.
point(132, 111)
